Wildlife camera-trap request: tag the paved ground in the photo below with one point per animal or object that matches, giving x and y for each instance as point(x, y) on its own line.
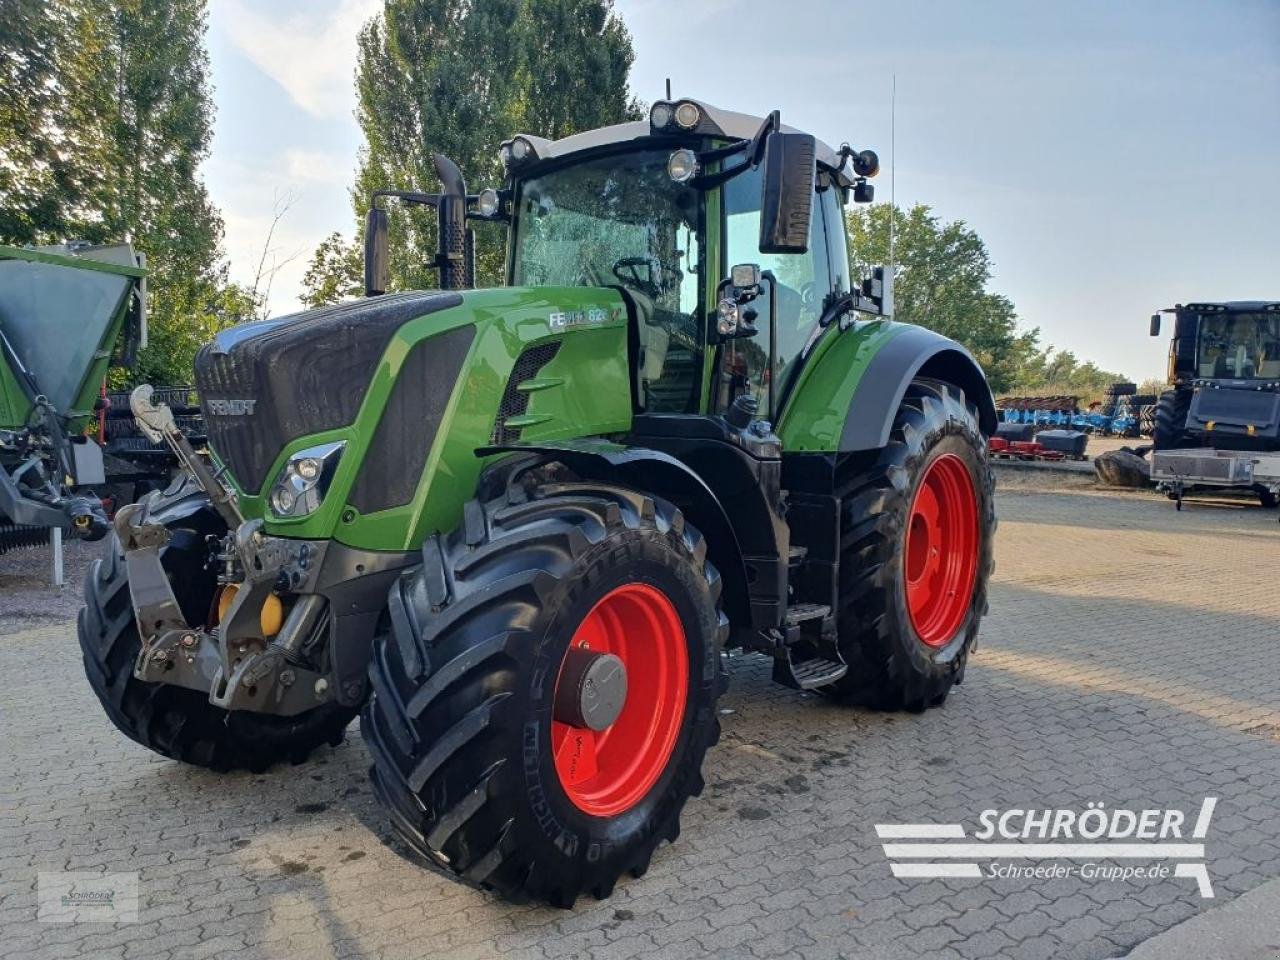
point(1129, 658)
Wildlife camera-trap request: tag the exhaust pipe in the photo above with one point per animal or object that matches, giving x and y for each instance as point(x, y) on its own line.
point(454, 248)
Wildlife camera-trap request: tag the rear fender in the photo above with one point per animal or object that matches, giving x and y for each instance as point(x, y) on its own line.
point(849, 392)
point(661, 474)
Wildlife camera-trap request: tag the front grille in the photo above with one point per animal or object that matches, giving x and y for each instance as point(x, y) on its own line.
point(305, 373)
point(515, 401)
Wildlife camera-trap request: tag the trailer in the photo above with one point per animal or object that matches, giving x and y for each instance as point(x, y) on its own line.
point(1176, 471)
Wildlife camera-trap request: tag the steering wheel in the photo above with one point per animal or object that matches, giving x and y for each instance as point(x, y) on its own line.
point(656, 280)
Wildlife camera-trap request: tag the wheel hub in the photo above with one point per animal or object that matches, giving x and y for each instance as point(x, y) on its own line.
point(591, 690)
point(619, 700)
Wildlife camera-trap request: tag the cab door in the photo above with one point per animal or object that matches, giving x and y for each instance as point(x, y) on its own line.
point(807, 282)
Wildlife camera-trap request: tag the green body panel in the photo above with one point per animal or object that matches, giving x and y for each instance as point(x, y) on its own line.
point(814, 415)
point(585, 390)
point(45, 296)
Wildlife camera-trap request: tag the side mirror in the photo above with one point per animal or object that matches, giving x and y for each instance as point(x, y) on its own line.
point(786, 193)
point(377, 261)
point(1155, 324)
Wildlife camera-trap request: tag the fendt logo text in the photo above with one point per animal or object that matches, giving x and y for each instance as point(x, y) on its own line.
point(1092, 844)
point(232, 408)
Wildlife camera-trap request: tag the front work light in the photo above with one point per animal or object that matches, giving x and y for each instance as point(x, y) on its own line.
point(488, 203)
point(660, 115)
point(682, 165)
point(687, 115)
point(304, 480)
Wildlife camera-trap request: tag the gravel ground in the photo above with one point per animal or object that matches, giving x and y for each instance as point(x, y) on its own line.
point(1124, 661)
point(27, 595)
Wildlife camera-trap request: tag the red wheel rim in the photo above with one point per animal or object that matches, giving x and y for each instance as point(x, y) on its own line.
point(608, 772)
point(941, 556)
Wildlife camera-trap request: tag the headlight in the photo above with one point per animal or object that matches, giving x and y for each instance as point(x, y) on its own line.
point(520, 149)
point(660, 115)
point(304, 480)
point(682, 166)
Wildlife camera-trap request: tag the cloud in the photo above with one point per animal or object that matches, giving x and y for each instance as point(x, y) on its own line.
point(311, 55)
point(317, 166)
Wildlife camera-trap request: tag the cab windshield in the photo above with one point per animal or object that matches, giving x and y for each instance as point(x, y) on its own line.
point(620, 220)
point(1239, 346)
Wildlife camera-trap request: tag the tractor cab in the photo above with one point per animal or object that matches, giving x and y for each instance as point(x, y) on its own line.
point(663, 211)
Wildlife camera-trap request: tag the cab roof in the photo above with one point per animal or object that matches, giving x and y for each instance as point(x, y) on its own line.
point(1232, 306)
point(715, 122)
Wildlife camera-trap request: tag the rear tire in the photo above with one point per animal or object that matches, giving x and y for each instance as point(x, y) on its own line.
point(1171, 420)
point(460, 724)
point(174, 721)
point(899, 660)
point(1268, 499)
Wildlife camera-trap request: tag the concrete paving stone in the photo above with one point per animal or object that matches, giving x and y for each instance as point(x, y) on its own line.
point(1063, 703)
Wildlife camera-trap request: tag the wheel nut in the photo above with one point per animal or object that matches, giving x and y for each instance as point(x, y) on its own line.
point(188, 639)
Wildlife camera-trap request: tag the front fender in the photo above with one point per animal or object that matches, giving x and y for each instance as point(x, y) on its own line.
point(660, 474)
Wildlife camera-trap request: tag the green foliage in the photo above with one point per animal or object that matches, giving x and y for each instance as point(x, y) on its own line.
point(336, 272)
point(458, 77)
point(128, 114)
point(37, 169)
point(941, 283)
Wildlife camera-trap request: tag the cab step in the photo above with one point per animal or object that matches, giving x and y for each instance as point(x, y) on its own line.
point(807, 674)
point(799, 613)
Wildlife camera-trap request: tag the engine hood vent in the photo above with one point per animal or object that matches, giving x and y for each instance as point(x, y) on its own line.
point(266, 383)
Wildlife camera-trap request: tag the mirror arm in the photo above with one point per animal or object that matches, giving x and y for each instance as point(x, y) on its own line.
point(773, 336)
point(755, 155)
point(408, 196)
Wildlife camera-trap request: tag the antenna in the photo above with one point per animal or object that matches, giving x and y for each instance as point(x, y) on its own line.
point(668, 88)
point(893, 172)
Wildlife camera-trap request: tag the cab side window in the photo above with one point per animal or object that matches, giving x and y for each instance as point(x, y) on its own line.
point(804, 283)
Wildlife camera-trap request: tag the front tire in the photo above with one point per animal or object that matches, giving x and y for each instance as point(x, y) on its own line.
point(473, 756)
point(174, 721)
point(1170, 431)
point(917, 524)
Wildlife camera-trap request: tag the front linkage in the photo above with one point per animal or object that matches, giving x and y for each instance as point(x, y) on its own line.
point(234, 662)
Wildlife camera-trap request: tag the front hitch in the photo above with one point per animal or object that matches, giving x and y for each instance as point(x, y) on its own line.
point(234, 663)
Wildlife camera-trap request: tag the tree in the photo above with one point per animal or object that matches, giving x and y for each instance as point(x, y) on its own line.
point(941, 283)
point(334, 274)
point(36, 179)
point(102, 140)
point(458, 77)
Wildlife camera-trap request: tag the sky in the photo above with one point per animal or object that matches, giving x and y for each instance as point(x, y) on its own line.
point(1115, 157)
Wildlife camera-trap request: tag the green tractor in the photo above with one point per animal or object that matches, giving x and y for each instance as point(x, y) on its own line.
point(66, 314)
point(514, 529)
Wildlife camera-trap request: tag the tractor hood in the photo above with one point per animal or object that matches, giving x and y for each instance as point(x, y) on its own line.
point(266, 383)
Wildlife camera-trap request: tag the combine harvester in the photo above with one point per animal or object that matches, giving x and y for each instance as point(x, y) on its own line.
point(1219, 425)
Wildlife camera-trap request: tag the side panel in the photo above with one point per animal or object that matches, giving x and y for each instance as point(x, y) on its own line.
point(584, 391)
point(849, 392)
